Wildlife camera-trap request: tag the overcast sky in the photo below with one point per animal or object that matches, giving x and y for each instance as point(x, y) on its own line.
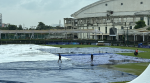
point(30, 12)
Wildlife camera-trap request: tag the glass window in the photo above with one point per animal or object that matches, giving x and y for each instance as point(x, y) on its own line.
point(130, 27)
point(99, 28)
point(141, 18)
point(122, 27)
point(121, 3)
point(93, 28)
point(141, 2)
point(105, 4)
point(147, 21)
point(106, 37)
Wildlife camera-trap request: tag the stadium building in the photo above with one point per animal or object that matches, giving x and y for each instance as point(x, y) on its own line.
point(114, 18)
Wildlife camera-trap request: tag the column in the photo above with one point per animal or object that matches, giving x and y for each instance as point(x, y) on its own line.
point(55, 35)
point(24, 36)
point(134, 37)
point(102, 36)
point(118, 37)
point(80, 34)
point(0, 35)
point(143, 37)
point(5, 35)
point(95, 36)
point(73, 28)
point(32, 36)
point(83, 33)
point(87, 33)
point(122, 20)
point(15, 36)
point(73, 35)
point(133, 19)
point(64, 23)
point(66, 35)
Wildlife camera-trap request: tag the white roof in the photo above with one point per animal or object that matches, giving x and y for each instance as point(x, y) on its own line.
point(89, 6)
point(143, 10)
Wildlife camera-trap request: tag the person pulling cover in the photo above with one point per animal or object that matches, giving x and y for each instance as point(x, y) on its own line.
point(92, 57)
point(92, 60)
point(59, 58)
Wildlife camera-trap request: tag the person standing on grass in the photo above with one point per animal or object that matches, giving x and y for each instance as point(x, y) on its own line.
point(136, 52)
point(59, 58)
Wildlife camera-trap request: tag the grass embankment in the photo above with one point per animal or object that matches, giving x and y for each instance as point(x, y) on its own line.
point(133, 68)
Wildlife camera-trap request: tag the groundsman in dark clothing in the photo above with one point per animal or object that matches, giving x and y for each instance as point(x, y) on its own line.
point(91, 57)
point(59, 58)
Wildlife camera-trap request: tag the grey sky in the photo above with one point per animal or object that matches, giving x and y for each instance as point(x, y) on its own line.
point(30, 12)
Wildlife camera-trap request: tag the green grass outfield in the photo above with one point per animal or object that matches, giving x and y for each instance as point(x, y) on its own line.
point(133, 68)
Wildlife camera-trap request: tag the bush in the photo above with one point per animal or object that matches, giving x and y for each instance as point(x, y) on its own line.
point(148, 28)
point(140, 24)
point(105, 39)
point(100, 44)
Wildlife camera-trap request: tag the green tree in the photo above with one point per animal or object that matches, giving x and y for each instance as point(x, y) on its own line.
point(148, 28)
point(12, 27)
point(140, 24)
point(20, 27)
point(40, 26)
point(3, 28)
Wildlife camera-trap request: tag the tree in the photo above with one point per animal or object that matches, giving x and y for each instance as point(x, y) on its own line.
point(148, 28)
point(40, 26)
point(140, 24)
point(20, 27)
point(12, 27)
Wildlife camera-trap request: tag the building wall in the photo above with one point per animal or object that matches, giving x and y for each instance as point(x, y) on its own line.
point(99, 11)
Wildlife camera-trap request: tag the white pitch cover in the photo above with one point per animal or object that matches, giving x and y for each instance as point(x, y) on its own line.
point(144, 77)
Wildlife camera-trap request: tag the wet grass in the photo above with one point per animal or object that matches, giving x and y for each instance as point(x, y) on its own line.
point(136, 68)
point(118, 82)
point(133, 68)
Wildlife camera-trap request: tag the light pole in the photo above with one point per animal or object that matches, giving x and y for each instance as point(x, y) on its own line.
point(0, 38)
point(127, 36)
